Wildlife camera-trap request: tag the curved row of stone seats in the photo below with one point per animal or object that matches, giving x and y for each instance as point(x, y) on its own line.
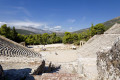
point(13, 49)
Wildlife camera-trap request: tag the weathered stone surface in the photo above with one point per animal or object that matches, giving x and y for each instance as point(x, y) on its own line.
point(58, 76)
point(115, 29)
point(108, 62)
point(23, 43)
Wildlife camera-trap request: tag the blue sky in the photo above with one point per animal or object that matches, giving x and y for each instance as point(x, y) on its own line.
point(67, 15)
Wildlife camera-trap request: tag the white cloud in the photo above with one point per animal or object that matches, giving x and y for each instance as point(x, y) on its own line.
point(27, 24)
point(45, 27)
point(57, 27)
point(38, 25)
point(1, 23)
point(19, 24)
point(71, 20)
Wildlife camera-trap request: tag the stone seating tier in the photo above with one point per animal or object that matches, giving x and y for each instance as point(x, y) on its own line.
point(13, 49)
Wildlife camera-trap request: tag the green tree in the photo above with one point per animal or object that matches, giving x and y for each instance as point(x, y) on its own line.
point(40, 39)
point(21, 38)
point(45, 37)
point(100, 28)
point(30, 40)
point(75, 36)
point(9, 33)
point(67, 38)
point(3, 30)
point(53, 38)
point(6, 31)
point(14, 34)
point(97, 29)
point(37, 39)
point(58, 40)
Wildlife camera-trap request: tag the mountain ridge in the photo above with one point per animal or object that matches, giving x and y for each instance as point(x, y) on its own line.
point(31, 30)
point(108, 24)
point(34, 30)
point(24, 32)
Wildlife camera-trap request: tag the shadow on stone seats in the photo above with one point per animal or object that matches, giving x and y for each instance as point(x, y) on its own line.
point(18, 74)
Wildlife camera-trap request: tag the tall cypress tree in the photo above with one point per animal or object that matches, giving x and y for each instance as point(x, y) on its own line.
point(14, 34)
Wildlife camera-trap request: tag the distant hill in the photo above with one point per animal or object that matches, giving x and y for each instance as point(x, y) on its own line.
point(108, 24)
point(32, 30)
point(25, 32)
point(111, 22)
point(38, 31)
point(35, 30)
point(81, 30)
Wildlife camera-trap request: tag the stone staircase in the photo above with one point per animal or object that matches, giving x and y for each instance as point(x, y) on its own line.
point(10, 48)
point(87, 53)
point(97, 43)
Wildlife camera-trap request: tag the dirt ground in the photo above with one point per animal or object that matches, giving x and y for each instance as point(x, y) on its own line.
point(57, 52)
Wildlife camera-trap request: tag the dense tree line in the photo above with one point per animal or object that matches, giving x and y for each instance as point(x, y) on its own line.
point(46, 38)
point(75, 38)
point(35, 39)
point(43, 39)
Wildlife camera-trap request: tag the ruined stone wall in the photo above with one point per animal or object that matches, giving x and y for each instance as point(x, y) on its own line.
point(82, 43)
point(108, 62)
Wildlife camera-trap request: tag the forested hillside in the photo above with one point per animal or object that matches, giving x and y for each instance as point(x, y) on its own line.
point(111, 22)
